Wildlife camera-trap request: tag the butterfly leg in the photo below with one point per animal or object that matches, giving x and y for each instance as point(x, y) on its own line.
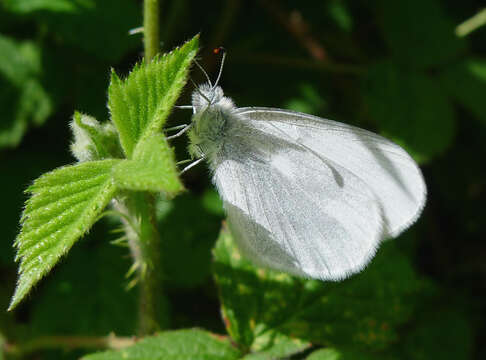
point(183, 128)
point(192, 164)
point(185, 107)
point(178, 127)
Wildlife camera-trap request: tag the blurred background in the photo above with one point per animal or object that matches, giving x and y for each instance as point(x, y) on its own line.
point(411, 70)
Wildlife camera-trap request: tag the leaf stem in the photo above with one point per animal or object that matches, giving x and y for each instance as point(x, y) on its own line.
point(151, 28)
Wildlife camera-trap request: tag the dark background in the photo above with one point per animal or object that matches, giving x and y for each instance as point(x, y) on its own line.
point(394, 67)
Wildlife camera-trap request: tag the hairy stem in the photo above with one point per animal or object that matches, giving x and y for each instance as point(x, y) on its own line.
point(151, 28)
point(144, 246)
point(139, 208)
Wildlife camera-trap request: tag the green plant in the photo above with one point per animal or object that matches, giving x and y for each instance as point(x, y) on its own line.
point(408, 74)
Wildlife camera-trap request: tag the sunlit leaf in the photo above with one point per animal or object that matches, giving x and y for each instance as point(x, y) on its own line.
point(153, 168)
point(175, 345)
point(334, 354)
point(363, 311)
point(63, 205)
point(140, 104)
point(276, 346)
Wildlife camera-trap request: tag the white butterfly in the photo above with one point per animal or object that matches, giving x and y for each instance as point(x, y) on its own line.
point(305, 195)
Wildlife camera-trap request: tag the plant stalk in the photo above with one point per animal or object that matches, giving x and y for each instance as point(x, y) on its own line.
point(141, 231)
point(146, 253)
point(151, 28)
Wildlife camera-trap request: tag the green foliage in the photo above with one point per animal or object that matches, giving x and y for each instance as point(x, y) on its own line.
point(152, 169)
point(175, 345)
point(333, 354)
point(66, 202)
point(186, 250)
point(409, 107)
point(28, 6)
point(424, 88)
point(63, 206)
point(364, 311)
point(281, 347)
point(94, 273)
point(466, 82)
point(140, 104)
point(440, 332)
point(22, 97)
point(418, 32)
point(92, 140)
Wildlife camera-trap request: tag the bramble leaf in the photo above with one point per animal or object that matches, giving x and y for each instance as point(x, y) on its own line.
point(365, 310)
point(153, 168)
point(334, 354)
point(175, 345)
point(140, 104)
point(63, 206)
point(277, 346)
point(92, 140)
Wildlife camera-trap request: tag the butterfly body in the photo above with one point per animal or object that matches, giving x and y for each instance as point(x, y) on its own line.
point(210, 122)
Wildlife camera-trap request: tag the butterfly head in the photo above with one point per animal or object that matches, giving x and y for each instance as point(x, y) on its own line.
point(210, 97)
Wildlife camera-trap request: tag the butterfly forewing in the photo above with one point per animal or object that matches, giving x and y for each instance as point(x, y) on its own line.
point(387, 169)
point(290, 209)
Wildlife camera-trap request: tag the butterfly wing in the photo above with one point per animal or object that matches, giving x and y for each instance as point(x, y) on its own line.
point(292, 209)
point(390, 173)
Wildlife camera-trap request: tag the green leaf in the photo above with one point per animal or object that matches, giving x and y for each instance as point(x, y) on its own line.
point(440, 332)
point(410, 108)
point(63, 206)
point(153, 168)
point(28, 6)
point(175, 345)
point(92, 140)
point(281, 347)
point(23, 100)
point(334, 354)
point(140, 104)
point(419, 33)
point(466, 82)
point(363, 311)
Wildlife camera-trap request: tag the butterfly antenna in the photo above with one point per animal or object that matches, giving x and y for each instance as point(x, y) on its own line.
point(204, 72)
point(199, 91)
point(217, 51)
